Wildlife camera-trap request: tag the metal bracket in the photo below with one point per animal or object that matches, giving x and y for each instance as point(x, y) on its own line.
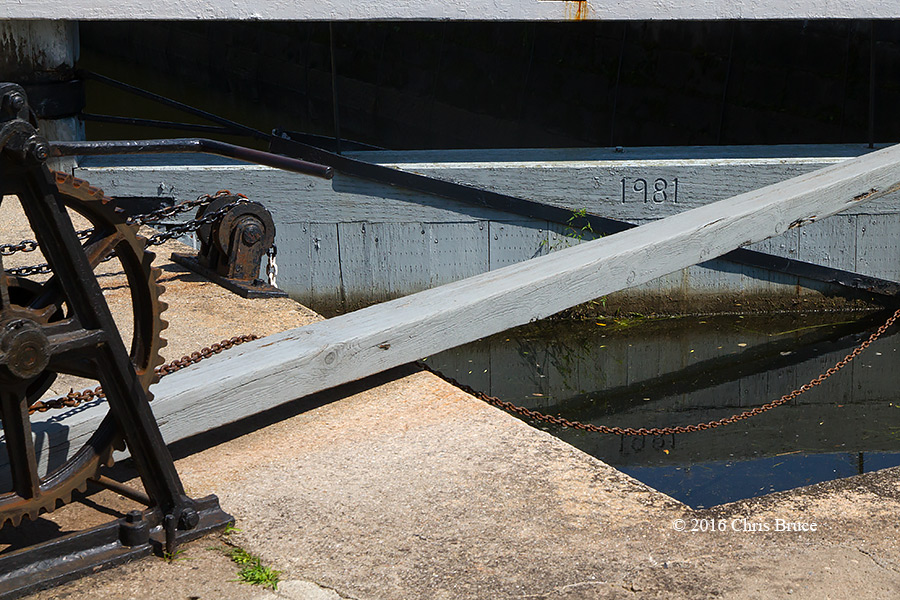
point(69, 557)
point(233, 246)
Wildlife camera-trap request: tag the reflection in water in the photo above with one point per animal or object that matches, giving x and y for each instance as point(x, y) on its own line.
point(698, 369)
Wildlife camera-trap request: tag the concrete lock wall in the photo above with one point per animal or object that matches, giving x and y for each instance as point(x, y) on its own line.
point(346, 243)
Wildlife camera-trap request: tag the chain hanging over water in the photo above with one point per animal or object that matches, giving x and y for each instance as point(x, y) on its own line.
point(658, 431)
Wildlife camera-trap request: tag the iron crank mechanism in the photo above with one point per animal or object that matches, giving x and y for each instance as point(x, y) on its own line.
point(233, 245)
point(60, 326)
point(235, 235)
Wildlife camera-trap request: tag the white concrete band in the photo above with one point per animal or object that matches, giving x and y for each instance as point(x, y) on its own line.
point(461, 10)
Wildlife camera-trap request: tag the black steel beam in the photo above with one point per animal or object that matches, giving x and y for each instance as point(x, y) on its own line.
point(168, 146)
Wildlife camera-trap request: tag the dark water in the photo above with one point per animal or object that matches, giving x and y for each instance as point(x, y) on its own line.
point(655, 373)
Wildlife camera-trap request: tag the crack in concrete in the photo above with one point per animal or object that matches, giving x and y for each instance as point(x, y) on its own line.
point(886, 565)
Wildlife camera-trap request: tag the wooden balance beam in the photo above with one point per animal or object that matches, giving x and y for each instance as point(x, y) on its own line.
point(296, 363)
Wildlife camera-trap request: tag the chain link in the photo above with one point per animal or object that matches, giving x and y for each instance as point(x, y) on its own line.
point(156, 239)
point(272, 266)
point(657, 431)
point(176, 231)
point(73, 398)
point(170, 211)
point(23, 246)
point(32, 245)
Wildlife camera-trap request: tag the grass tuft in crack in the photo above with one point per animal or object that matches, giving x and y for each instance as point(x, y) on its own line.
point(252, 570)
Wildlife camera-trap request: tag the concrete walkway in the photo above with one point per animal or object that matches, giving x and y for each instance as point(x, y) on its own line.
point(412, 489)
point(404, 487)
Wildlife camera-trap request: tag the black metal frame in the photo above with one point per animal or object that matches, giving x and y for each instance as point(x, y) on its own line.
point(91, 332)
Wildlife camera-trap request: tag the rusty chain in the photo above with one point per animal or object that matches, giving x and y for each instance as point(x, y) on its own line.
point(31, 246)
point(23, 246)
point(181, 207)
point(657, 431)
point(41, 269)
point(73, 398)
point(179, 230)
point(155, 240)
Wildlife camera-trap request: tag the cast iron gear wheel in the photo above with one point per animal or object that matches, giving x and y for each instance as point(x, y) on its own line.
point(44, 303)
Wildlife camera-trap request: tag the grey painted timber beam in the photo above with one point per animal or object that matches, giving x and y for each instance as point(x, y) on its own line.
point(458, 10)
point(299, 362)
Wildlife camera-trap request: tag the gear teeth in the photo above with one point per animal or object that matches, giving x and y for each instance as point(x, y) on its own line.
point(81, 196)
point(157, 361)
point(37, 512)
point(150, 396)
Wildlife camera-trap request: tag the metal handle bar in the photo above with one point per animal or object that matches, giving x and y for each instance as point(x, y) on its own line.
point(200, 145)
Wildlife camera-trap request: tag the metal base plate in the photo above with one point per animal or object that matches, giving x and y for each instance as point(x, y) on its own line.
point(81, 553)
point(258, 289)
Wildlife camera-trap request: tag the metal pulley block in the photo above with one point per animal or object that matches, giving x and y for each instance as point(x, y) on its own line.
point(235, 236)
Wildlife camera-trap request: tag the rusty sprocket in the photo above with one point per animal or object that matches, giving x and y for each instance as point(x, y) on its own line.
point(43, 302)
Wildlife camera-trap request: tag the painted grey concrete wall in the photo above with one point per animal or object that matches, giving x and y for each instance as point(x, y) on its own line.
point(348, 242)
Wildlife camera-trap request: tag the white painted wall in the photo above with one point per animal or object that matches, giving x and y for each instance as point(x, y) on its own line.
point(461, 10)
